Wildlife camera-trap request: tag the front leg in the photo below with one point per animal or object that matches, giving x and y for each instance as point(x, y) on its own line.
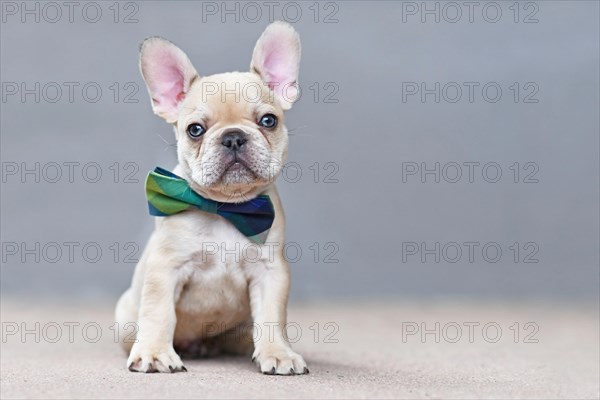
point(153, 350)
point(268, 301)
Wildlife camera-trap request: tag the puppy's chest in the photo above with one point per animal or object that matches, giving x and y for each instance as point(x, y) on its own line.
point(217, 260)
point(211, 244)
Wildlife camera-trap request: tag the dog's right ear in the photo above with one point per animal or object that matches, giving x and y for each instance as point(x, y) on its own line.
point(168, 74)
point(276, 59)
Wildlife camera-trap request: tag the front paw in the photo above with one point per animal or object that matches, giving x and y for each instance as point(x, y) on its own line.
point(279, 360)
point(154, 359)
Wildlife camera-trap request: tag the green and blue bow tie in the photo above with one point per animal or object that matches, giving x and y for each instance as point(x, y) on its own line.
point(170, 194)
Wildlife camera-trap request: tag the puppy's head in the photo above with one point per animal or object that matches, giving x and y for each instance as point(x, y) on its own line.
point(231, 140)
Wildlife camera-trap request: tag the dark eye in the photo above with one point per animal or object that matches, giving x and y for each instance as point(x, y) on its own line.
point(268, 121)
point(195, 130)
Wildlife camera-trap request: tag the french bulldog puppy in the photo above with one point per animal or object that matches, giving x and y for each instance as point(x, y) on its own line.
point(189, 291)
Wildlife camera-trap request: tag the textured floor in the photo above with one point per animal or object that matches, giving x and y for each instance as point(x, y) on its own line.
point(353, 351)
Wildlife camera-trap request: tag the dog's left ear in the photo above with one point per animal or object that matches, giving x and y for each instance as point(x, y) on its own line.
point(168, 74)
point(276, 59)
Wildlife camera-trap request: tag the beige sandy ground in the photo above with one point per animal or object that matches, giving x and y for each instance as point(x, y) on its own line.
point(369, 360)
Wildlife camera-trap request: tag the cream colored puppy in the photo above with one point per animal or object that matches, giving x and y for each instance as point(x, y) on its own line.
point(231, 144)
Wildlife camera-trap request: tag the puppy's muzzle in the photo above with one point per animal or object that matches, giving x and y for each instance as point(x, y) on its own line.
point(234, 140)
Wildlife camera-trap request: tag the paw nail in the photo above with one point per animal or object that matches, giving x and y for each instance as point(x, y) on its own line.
point(183, 368)
point(306, 371)
point(171, 368)
point(292, 371)
point(131, 367)
point(253, 359)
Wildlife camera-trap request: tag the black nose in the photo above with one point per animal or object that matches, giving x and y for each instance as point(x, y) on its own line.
point(234, 140)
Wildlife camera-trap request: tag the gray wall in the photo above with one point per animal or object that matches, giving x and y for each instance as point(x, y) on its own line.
point(371, 135)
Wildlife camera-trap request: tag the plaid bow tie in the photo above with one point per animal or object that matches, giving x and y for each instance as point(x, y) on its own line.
point(170, 194)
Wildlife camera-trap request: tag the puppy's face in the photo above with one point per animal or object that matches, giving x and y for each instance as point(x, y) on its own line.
point(231, 140)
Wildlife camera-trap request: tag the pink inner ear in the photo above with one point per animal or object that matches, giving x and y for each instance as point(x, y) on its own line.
point(278, 65)
point(166, 80)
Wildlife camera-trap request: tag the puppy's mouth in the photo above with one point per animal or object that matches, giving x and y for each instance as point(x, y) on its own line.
point(238, 172)
point(234, 172)
point(237, 165)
